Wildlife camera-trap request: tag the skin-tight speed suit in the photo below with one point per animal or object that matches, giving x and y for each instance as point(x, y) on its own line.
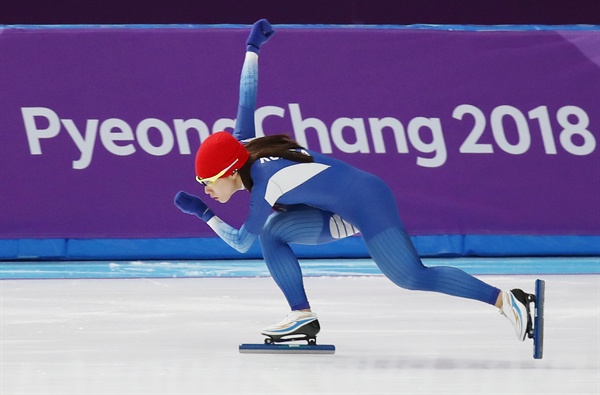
point(327, 200)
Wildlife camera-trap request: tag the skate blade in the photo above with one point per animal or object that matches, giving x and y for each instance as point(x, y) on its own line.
point(538, 320)
point(287, 348)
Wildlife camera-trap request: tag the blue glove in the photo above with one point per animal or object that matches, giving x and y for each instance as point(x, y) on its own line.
point(261, 31)
point(191, 204)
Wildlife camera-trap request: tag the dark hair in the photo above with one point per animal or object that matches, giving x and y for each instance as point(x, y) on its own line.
point(279, 145)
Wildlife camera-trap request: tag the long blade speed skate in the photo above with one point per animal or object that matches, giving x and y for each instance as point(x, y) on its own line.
point(526, 312)
point(287, 348)
point(284, 336)
point(537, 333)
point(288, 345)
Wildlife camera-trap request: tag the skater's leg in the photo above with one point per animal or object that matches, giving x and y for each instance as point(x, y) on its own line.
point(300, 225)
point(395, 254)
point(283, 265)
point(397, 258)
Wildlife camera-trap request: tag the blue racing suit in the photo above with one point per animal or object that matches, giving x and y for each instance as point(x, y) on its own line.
point(327, 200)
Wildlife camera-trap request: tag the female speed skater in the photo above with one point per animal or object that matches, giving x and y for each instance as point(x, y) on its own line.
point(304, 197)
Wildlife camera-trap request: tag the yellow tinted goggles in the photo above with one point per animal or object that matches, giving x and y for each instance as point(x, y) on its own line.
point(209, 180)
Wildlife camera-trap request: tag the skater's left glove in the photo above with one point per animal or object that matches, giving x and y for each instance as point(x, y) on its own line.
point(261, 32)
point(191, 204)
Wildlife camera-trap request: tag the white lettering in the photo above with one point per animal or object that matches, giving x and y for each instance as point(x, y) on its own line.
point(123, 133)
point(181, 128)
point(141, 133)
point(262, 113)
point(437, 144)
point(348, 135)
point(300, 125)
point(34, 134)
point(223, 124)
point(266, 159)
point(523, 136)
point(377, 126)
point(575, 123)
point(84, 144)
point(358, 125)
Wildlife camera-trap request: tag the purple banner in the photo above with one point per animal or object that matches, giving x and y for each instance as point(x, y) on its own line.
point(477, 132)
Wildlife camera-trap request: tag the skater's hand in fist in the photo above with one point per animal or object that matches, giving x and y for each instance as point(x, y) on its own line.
point(191, 204)
point(261, 31)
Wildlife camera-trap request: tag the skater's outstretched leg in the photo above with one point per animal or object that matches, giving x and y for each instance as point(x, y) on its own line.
point(397, 258)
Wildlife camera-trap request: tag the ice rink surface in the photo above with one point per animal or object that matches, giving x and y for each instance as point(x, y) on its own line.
point(181, 336)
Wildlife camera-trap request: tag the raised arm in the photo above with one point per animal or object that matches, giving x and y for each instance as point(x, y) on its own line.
point(244, 126)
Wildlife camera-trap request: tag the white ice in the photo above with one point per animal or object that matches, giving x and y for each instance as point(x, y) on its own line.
point(181, 336)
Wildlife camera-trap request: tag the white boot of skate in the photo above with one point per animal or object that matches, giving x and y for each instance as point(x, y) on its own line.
point(514, 307)
point(291, 324)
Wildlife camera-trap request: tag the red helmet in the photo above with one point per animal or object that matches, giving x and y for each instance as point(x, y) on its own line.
point(220, 153)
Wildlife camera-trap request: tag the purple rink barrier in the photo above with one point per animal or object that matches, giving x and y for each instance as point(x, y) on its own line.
point(484, 136)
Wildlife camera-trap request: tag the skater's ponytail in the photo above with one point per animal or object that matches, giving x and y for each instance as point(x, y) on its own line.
point(279, 145)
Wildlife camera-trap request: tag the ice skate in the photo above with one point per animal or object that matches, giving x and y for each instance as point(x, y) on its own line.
point(283, 337)
point(297, 325)
point(515, 307)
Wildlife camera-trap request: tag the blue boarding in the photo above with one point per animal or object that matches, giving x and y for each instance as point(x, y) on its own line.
point(288, 348)
point(351, 247)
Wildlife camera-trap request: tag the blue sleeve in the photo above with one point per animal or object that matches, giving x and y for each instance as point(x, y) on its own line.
point(240, 239)
point(243, 238)
point(244, 125)
point(259, 212)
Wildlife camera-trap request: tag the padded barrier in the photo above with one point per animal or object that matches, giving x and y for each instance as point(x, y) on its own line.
point(352, 247)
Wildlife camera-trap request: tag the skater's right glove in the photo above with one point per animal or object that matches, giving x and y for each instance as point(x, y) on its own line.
point(191, 204)
point(261, 32)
